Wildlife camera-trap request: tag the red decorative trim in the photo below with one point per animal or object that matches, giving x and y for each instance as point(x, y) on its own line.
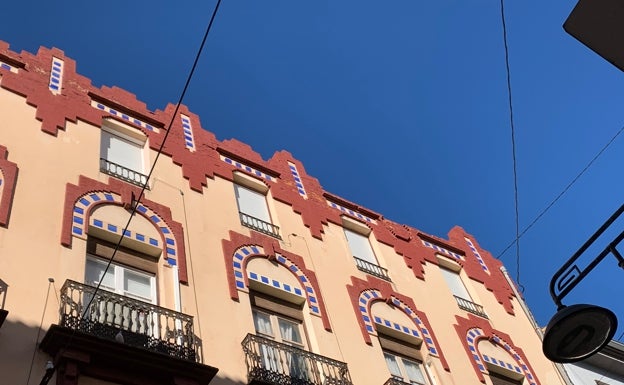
point(271, 247)
point(385, 288)
point(465, 324)
point(9, 180)
point(74, 102)
point(126, 191)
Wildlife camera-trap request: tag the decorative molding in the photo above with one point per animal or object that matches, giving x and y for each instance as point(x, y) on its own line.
point(239, 249)
point(189, 139)
point(477, 255)
point(80, 100)
point(364, 293)
point(249, 169)
point(297, 179)
point(81, 200)
point(473, 329)
point(123, 116)
point(55, 84)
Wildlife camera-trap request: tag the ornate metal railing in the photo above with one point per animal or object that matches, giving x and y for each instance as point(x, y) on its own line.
point(275, 363)
point(372, 269)
point(470, 306)
point(123, 173)
point(123, 319)
point(259, 225)
point(397, 381)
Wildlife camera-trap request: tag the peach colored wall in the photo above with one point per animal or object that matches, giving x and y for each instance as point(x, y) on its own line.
point(31, 251)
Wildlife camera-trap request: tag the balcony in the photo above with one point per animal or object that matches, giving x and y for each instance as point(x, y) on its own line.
point(470, 307)
point(141, 324)
point(259, 225)
point(123, 173)
point(399, 381)
point(372, 269)
point(273, 363)
point(124, 340)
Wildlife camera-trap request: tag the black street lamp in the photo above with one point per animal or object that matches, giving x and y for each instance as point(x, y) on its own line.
point(578, 331)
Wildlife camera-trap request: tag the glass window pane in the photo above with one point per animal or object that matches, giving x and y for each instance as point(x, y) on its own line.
point(360, 246)
point(289, 331)
point(413, 372)
point(138, 285)
point(393, 365)
point(262, 323)
point(455, 284)
point(94, 274)
point(252, 203)
point(121, 151)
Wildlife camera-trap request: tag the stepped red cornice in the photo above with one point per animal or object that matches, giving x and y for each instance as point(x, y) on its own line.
point(74, 103)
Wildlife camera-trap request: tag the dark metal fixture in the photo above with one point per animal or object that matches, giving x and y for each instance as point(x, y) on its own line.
point(578, 331)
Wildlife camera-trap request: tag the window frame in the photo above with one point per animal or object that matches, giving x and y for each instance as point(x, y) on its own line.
point(137, 145)
point(274, 319)
point(458, 283)
point(257, 195)
point(400, 363)
point(358, 241)
point(119, 271)
point(135, 149)
point(251, 188)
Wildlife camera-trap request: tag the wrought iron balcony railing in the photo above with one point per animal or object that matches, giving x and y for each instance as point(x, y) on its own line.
point(259, 225)
point(274, 363)
point(123, 173)
point(372, 269)
point(399, 381)
point(470, 306)
point(141, 324)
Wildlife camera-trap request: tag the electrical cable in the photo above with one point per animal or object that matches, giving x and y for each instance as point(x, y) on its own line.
point(552, 203)
point(158, 153)
point(45, 306)
point(513, 144)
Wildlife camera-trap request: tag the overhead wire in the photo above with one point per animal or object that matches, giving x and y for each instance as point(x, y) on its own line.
point(565, 190)
point(513, 142)
point(158, 153)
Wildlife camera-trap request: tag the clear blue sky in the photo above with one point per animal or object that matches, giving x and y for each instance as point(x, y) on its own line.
point(400, 106)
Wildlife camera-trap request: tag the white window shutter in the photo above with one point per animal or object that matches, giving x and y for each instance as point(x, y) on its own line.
point(252, 203)
point(121, 151)
point(360, 246)
point(455, 283)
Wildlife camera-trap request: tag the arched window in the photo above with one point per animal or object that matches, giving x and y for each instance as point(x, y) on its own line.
point(401, 345)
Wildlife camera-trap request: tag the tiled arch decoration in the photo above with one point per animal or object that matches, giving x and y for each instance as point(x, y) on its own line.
point(73, 101)
point(471, 330)
point(8, 180)
point(239, 249)
point(82, 199)
point(364, 293)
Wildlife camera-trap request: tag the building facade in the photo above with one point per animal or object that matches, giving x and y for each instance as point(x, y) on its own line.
point(226, 268)
point(604, 367)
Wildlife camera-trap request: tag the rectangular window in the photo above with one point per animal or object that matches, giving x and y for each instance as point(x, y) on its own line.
point(278, 357)
point(111, 313)
point(121, 280)
point(122, 156)
point(404, 370)
point(464, 301)
point(362, 251)
point(360, 246)
point(252, 203)
point(254, 212)
point(455, 283)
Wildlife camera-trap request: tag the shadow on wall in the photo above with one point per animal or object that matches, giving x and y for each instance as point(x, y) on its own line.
point(219, 380)
point(17, 343)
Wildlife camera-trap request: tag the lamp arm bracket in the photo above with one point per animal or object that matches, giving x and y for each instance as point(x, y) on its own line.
point(570, 274)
